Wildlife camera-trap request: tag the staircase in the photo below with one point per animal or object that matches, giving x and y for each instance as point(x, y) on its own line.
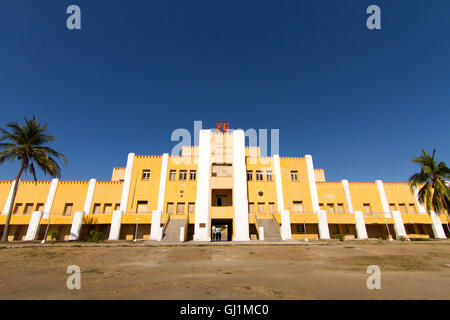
point(172, 232)
point(271, 232)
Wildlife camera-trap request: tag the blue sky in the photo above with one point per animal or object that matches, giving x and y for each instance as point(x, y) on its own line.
point(361, 102)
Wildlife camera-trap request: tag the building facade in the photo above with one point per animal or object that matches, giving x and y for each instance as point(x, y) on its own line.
point(219, 183)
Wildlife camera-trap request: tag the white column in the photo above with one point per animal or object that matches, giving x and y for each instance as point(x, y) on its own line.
point(312, 183)
point(33, 226)
point(116, 223)
point(156, 231)
point(324, 232)
point(127, 183)
point(77, 222)
point(89, 196)
point(419, 205)
point(361, 231)
point(285, 230)
point(50, 198)
point(384, 202)
point(399, 227)
point(240, 201)
point(278, 182)
point(203, 198)
point(438, 230)
point(348, 195)
point(9, 203)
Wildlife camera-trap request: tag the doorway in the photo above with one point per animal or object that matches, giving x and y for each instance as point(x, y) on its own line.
point(223, 228)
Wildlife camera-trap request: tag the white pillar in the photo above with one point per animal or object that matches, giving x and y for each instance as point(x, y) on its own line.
point(203, 198)
point(324, 232)
point(33, 226)
point(419, 205)
point(89, 196)
point(399, 227)
point(285, 230)
point(384, 202)
point(438, 230)
point(77, 222)
point(240, 201)
point(127, 183)
point(361, 231)
point(50, 198)
point(312, 183)
point(261, 233)
point(348, 195)
point(156, 231)
point(116, 223)
point(9, 203)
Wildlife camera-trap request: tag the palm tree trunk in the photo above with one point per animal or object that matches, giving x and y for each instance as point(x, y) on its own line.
point(8, 218)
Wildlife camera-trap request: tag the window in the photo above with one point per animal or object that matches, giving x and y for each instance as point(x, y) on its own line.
point(259, 176)
point(300, 228)
point(173, 175)
point(249, 175)
point(183, 175)
point(191, 207)
point(261, 206)
point(96, 208)
point(392, 207)
point(180, 207)
point(251, 207)
point(345, 229)
point(169, 207)
point(321, 206)
point(68, 207)
point(340, 208)
point(269, 176)
point(420, 228)
point(367, 208)
point(107, 208)
point(271, 207)
point(146, 174)
point(40, 207)
point(117, 207)
point(412, 208)
point(409, 228)
point(331, 208)
point(28, 208)
point(294, 175)
point(298, 206)
point(402, 208)
point(18, 208)
point(193, 175)
point(142, 206)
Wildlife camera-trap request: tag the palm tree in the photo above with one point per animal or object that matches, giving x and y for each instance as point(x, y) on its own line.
point(433, 180)
point(27, 143)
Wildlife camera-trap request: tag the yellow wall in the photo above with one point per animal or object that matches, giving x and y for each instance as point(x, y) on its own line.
point(268, 188)
point(365, 192)
point(331, 192)
point(107, 192)
point(5, 186)
point(30, 192)
point(70, 192)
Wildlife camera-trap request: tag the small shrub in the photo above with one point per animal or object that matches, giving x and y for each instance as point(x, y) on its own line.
point(341, 237)
point(54, 235)
point(95, 236)
point(402, 238)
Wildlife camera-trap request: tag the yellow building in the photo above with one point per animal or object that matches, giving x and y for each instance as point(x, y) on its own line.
point(220, 183)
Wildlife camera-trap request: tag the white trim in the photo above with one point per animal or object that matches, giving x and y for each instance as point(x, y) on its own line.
point(419, 205)
point(8, 203)
point(162, 182)
point(50, 198)
point(33, 226)
point(127, 183)
point(278, 182)
point(240, 201)
point(348, 196)
point(399, 226)
point(438, 230)
point(77, 222)
point(324, 232)
point(312, 183)
point(361, 231)
point(89, 196)
point(203, 198)
point(384, 202)
point(116, 223)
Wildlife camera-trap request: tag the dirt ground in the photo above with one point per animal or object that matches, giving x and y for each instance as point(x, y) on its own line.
point(409, 270)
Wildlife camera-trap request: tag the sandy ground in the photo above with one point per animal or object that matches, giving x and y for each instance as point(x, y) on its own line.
point(414, 270)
